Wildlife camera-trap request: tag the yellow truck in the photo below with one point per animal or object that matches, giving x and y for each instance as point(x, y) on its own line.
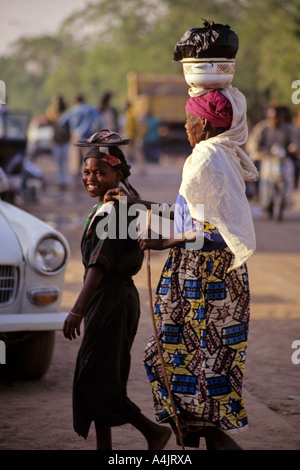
point(163, 96)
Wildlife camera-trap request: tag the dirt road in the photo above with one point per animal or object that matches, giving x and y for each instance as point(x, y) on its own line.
point(38, 415)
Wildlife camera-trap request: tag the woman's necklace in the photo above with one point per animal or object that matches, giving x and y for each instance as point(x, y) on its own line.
point(92, 213)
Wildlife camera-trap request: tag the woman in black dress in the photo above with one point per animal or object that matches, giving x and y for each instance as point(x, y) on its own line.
point(109, 304)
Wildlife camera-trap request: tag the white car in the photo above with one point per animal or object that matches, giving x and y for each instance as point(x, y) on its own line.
point(33, 258)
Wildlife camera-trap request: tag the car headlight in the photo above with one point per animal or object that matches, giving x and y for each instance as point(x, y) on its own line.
point(50, 255)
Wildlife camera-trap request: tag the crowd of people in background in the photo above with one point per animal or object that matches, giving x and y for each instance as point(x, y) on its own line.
point(80, 120)
point(276, 135)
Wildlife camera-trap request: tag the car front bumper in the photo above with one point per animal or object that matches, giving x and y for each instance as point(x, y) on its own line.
point(31, 322)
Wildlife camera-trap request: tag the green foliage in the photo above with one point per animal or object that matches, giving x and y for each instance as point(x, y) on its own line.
point(94, 50)
point(269, 55)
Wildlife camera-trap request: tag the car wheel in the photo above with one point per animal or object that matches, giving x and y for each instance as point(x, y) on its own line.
point(29, 358)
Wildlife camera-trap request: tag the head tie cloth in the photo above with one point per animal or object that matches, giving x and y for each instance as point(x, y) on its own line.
point(112, 160)
point(213, 106)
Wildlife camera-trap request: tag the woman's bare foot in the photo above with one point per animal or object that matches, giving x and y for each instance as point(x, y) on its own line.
point(160, 437)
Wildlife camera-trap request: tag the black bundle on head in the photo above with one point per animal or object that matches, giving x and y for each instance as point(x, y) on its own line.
point(115, 151)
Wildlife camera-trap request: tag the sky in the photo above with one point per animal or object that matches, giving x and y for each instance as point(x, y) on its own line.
point(33, 18)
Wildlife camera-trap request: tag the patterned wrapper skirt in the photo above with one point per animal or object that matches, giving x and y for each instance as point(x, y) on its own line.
point(202, 316)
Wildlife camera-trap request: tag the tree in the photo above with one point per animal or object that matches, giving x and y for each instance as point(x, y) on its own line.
point(269, 59)
point(96, 48)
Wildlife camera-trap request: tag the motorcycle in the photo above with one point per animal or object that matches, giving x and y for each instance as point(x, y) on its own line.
point(23, 177)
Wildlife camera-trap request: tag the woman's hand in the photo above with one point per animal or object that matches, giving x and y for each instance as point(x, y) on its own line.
point(115, 193)
point(72, 325)
point(149, 240)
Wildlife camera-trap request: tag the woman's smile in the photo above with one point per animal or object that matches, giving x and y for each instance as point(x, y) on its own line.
point(91, 187)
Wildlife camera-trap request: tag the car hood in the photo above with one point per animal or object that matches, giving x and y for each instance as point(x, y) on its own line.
point(10, 250)
point(26, 229)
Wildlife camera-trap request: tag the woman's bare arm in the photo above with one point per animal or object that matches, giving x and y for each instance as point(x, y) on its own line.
point(148, 242)
point(161, 209)
point(72, 323)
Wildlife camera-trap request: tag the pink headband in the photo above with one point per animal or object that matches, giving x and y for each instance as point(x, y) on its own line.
point(111, 160)
point(213, 106)
point(104, 157)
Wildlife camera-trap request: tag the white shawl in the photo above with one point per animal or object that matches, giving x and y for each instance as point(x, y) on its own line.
point(214, 175)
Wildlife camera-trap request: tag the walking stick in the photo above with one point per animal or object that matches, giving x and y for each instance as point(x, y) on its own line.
point(160, 353)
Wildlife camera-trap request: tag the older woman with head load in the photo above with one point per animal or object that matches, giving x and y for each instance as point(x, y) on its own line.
point(202, 299)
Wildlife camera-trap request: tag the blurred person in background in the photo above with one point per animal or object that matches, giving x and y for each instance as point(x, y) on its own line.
point(151, 139)
point(294, 147)
point(108, 112)
point(133, 129)
point(83, 120)
point(61, 138)
point(270, 139)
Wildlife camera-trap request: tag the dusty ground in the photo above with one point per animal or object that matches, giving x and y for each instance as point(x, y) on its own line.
point(37, 415)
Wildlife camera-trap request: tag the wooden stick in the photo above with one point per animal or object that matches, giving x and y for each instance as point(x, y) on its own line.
point(156, 336)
